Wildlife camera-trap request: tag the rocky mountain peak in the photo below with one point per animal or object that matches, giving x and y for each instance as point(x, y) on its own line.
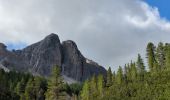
point(40, 57)
point(70, 45)
point(52, 37)
point(51, 40)
point(70, 42)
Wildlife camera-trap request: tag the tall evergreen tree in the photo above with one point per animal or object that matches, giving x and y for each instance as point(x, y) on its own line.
point(128, 72)
point(85, 93)
point(133, 71)
point(40, 87)
point(100, 85)
point(151, 57)
point(119, 76)
point(140, 67)
point(167, 56)
point(75, 90)
point(20, 88)
point(30, 92)
point(160, 56)
point(55, 85)
point(113, 78)
point(109, 77)
point(93, 88)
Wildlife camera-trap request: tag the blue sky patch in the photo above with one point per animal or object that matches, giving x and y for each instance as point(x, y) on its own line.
point(163, 6)
point(17, 46)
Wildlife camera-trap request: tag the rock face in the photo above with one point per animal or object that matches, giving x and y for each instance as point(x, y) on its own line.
point(42, 55)
point(11, 60)
point(39, 58)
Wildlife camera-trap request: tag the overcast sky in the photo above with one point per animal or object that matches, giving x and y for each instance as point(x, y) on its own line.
point(110, 32)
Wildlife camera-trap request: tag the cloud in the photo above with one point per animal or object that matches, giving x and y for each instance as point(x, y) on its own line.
point(111, 32)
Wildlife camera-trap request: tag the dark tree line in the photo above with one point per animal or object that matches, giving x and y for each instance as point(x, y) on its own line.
point(21, 86)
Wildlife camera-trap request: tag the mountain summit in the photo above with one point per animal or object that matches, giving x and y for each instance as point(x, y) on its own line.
point(39, 58)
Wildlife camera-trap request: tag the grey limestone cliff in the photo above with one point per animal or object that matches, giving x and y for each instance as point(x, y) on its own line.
point(39, 58)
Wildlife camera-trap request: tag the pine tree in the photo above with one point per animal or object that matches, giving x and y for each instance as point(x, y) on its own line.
point(151, 57)
point(109, 77)
point(85, 93)
point(167, 61)
point(133, 71)
point(20, 88)
point(160, 55)
point(93, 88)
point(74, 89)
point(30, 92)
point(140, 67)
point(113, 78)
point(128, 72)
point(40, 87)
point(55, 85)
point(119, 76)
point(100, 85)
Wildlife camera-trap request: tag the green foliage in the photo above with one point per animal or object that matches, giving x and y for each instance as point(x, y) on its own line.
point(12, 84)
point(55, 85)
point(109, 77)
point(151, 57)
point(23, 86)
point(20, 88)
point(135, 82)
point(100, 85)
point(119, 76)
point(85, 93)
point(160, 56)
point(30, 92)
point(140, 67)
point(167, 61)
point(93, 88)
point(75, 88)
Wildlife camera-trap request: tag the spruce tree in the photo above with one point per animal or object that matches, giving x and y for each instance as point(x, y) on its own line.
point(30, 92)
point(93, 88)
point(109, 77)
point(113, 78)
point(20, 88)
point(151, 57)
point(100, 85)
point(133, 71)
point(160, 56)
point(140, 67)
point(40, 87)
point(85, 93)
point(128, 72)
point(167, 61)
point(55, 84)
point(119, 76)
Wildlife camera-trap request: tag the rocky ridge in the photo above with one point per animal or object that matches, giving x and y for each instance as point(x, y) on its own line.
point(39, 58)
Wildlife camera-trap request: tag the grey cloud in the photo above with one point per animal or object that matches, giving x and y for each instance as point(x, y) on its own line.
point(110, 32)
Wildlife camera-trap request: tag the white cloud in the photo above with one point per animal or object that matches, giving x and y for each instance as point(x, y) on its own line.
point(110, 32)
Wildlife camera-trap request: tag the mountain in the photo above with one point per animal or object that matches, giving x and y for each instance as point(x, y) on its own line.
point(40, 57)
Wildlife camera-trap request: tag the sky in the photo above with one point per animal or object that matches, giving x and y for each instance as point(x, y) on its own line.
point(162, 5)
point(110, 32)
